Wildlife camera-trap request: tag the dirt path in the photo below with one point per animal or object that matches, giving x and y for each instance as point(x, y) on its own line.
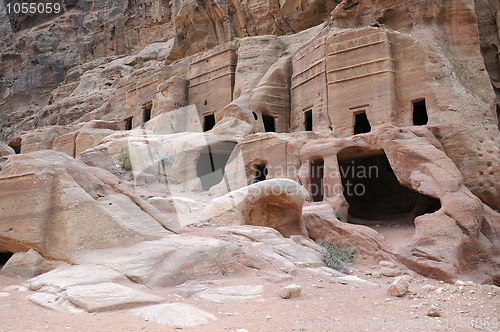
point(323, 305)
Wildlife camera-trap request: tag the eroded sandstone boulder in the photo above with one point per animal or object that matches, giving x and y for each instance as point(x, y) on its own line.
point(59, 206)
point(275, 203)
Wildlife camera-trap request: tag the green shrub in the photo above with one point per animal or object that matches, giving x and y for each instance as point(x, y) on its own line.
point(124, 159)
point(336, 256)
point(165, 160)
point(339, 216)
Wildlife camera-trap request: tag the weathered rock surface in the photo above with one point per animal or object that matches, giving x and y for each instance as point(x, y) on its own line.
point(28, 264)
point(169, 261)
point(275, 203)
point(108, 296)
point(93, 288)
point(174, 314)
point(59, 206)
point(232, 293)
point(430, 78)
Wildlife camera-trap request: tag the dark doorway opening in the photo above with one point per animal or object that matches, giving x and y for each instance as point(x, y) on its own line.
point(317, 171)
point(308, 120)
point(4, 257)
point(260, 173)
point(208, 122)
point(420, 117)
point(146, 112)
point(212, 162)
point(269, 123)
point(361, 124)
point(377, 199)
point(498, 115)
point(128, 123)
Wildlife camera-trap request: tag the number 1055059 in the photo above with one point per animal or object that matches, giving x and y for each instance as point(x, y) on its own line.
point(34, 8)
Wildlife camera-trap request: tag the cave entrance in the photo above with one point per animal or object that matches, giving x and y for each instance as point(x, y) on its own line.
point(308, 120)
point(269, 123)
point(146, 111)
point(208, 122)
point(212, 162)
point(4, 257)
point(420, 117)
point(15, 144)
point(260, 173)
point(361, 123)
point(317, 170)
point(377, 199)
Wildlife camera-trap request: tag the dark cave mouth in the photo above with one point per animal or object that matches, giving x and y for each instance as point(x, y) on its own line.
point(4, 257)
point(376, 198)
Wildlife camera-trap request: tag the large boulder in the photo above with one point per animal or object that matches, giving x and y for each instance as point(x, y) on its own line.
point(275, 203)
point(58, 206)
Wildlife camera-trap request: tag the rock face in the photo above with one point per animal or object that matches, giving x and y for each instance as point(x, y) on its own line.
point(273, 203)
point(375, 113)
point(57, 206)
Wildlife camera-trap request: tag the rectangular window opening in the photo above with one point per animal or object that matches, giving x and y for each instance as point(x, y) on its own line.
point(128, 123)
point(308, 120)
point(208, 122)
point(260, 173)
point(146, 111)
point(269, 123)
point(361, 123)
point(317, 167)
point(420, 117)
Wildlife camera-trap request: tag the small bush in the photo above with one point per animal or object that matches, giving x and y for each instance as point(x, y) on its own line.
point(124, 159)
point(165, 160)
point(336, 256)
point(339, 216)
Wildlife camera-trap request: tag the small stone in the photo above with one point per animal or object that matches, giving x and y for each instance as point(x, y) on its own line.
point(407, 278)
point(389, 272)
point(290, 291)
point(388, 264)
point(398, 287)
point(428, 287)
point(434, 312)
point(376, 274)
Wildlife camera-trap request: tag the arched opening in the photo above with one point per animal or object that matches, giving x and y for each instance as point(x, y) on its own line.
point(211, 163)
point(255, 116)
point(260, 173)
point(308, 120)
point(420, 117)
point(361, 123)
point(4, 257)
point(146, 111)
point(317, 172)
point(377, 199)
point(269, 123)
point(15, 144)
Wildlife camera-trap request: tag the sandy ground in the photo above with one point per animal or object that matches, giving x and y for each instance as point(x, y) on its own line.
point(324, 305)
